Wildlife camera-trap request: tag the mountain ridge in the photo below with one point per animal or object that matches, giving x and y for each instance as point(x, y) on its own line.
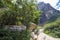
point(47, 11)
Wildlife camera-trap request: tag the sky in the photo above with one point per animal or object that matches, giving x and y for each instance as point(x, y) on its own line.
point(51, 2)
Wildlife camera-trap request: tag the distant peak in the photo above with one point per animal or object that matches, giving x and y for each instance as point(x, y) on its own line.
point(41, 3)
point(47, 3)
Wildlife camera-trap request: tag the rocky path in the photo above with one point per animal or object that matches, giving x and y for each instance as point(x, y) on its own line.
point(43, 36)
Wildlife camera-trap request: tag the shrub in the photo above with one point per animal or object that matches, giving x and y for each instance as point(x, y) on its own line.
point(53, 28)
point(14, 35)
point(7, 17)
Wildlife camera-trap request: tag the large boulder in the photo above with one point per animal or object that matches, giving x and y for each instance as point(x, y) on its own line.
point(15, 27)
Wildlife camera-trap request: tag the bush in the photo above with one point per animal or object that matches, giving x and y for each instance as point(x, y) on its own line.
point(7, 17)
point(14, 35)
point(53, 30)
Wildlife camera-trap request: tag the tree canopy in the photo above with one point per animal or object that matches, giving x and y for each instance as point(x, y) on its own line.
point(58, 4)
point(24, 11)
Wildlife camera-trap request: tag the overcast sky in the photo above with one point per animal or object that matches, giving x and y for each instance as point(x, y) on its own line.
point(51, 2)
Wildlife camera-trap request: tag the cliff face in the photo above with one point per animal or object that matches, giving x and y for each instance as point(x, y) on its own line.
point(47, 11)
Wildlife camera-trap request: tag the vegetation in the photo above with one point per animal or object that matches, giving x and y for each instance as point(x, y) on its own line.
point(14, 35)
point(16, 13)
point(7, 17)
point(58, 3)
point(53, 28)
point(25, 11)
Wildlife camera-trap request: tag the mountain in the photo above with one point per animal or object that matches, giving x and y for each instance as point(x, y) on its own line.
point(48, 12)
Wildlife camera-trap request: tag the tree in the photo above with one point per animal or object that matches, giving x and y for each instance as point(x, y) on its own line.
point(25, 10)
point(58, 4)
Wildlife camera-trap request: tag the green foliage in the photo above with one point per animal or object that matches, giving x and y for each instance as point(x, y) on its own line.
point(25, 10)
point(7, 17)
point(53, 28)
point(1, 4)
point(16, 13)
point(14, 35)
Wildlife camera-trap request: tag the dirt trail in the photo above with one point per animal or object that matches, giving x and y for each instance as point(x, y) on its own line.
point(43, 36)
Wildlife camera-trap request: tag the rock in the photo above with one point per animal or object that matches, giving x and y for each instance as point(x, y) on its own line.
point(33, 36)
point(32, 26)
point(15, 27)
